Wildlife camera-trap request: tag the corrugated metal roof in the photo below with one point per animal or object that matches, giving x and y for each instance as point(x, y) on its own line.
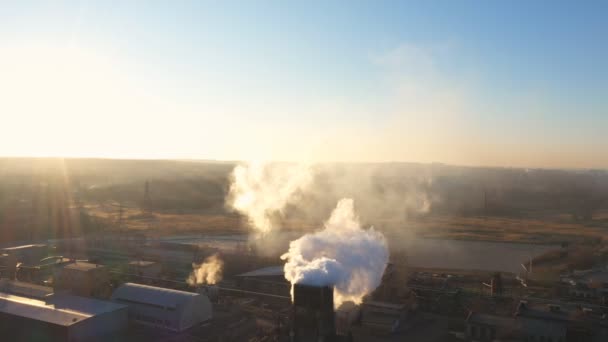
point(61, 310)
point(152, 295)
point(265, 272)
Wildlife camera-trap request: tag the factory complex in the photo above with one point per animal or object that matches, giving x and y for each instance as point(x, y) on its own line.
point(132, 290)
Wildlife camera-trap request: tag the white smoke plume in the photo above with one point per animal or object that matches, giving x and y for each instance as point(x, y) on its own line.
point(342, 255)
point(208, 273)
point(261, 190)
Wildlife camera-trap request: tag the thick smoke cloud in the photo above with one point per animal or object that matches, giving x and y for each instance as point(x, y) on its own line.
point(208, 273)
point(262, 190)
point(342, 255)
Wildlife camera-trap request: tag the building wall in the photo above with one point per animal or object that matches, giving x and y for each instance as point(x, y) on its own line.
point(104, 327)
point(86, 283)
point(534, 329)
point(16, 328)
point(147, 314)
point(29, 255)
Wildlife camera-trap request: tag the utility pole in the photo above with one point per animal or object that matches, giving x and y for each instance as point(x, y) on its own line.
point(147, 200)
point(120, 214)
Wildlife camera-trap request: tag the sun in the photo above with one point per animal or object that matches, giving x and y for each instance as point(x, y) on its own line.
point(56, 101)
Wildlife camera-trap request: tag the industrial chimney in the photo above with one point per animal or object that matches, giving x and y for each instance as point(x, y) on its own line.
point(313, 314)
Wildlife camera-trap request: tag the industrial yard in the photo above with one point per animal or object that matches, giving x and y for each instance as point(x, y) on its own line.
point(131, 289)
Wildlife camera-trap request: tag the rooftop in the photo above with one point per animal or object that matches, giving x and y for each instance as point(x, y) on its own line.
point(152, 295)
point(83, 305)
point(62, 310)
point(16, 248)
point(265, 272)
point(24, 289)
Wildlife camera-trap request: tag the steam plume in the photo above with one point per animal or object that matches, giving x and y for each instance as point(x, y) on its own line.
point(209, 272)
point(260, 190)
point(343, 255)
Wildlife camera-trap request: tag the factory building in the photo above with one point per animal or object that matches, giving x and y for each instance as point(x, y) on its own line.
point(24, 289)
point(82, 279)
point(547, 323)
point(27, 254)
point(346, 316)
point(382, 318)
point(588, 285)
point(268, 280)
point(164, 308)
point(145, 269)
point(486, 328)
point(60, 318)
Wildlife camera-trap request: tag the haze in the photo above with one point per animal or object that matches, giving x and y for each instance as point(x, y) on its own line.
point(499, 84)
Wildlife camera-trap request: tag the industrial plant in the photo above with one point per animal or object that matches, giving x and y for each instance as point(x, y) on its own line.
point(342, 281)
point(138, 290)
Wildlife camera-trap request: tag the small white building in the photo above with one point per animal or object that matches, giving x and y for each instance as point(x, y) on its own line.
point(165, 308)
point(60, 318)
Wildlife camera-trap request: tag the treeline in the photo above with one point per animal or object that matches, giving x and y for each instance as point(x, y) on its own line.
point(45, 198)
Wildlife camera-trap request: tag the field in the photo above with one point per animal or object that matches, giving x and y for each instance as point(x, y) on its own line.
point(50, 198)
point(548, 230)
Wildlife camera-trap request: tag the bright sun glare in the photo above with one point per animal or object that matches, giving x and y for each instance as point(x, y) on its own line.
point(65, 99)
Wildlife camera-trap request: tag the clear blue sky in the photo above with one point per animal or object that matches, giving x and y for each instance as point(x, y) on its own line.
point(511, 83)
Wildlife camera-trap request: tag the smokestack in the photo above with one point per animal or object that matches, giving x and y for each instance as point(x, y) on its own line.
point(313, 313)
point(342, 255)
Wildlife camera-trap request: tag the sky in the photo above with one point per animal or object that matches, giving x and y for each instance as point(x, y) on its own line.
point(493, 83)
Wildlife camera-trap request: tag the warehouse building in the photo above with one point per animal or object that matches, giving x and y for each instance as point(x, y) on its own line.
point(589, 285)
point(145, 269)
point(82, 279)
point(489, 327)
point(60, 318)
point(164, 308)
point(268, 280)
point(27, 254)
point(24, 289)
point(383, 318)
